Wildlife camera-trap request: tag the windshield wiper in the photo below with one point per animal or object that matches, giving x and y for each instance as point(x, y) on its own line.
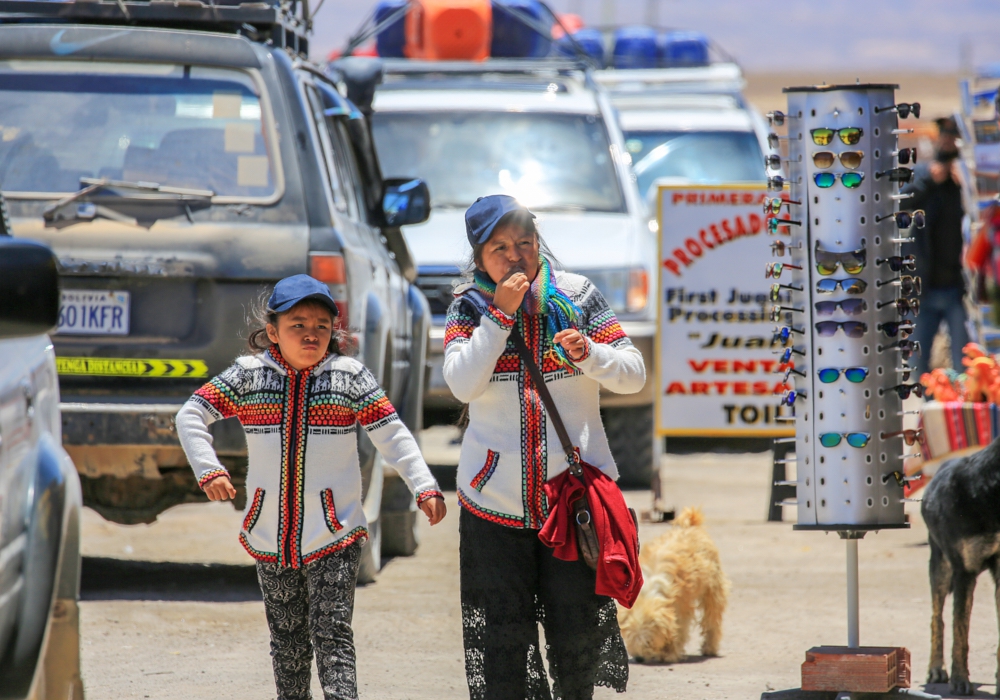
point(135, 203)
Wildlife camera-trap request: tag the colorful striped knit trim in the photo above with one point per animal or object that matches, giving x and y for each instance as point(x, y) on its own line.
point(330, 511)
point(427, 494)
point(487, 514)
point(358, 534)
point(499, 317)
point(479, 481)
point(209, 476)
point(269, 557)
point(253, 512)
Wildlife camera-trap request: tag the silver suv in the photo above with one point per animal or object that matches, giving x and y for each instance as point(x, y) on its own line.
point(177, 174)
point(541, 130)
point(39, 491)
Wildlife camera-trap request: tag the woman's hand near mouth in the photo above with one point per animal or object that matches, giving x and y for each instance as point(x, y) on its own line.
point(510, 291)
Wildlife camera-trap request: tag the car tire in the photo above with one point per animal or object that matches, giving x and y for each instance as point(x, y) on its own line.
point(398, 518)
point(630, 436)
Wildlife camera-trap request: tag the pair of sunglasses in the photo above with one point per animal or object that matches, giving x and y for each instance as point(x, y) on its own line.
point(786, 355)
point(778, 248)
point(910, 437)
point(774, 269)
point(894, 328)
point(776, 312)
point(849, 159)
point(850, 180)
point(906, 348)
point(773, 205)
point(906, 155)
point(774, 222)
point(776, 290)
point(851, 285)
point(777, 118)
point(898, 263)
point(855, 375)
point(852, 329)
point(905, 219)
point(851, 307)
point(784, 333)
point(790, 397)
point(899, 175)
point(904, 390)
point(903, 306)
point(776, 183)
point(853, 439)
point(849, 136)
point(853, 261)
point(903, 109)
point(909, 286)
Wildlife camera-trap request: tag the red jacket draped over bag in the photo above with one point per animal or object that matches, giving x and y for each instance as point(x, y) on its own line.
point(618, 573)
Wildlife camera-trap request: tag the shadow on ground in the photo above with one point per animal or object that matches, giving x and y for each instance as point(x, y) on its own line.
point(122, 579)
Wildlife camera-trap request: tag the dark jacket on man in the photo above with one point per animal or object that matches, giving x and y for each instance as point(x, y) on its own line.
point(937, 246)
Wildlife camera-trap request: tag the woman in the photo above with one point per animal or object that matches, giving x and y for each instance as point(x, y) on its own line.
point(509, 580)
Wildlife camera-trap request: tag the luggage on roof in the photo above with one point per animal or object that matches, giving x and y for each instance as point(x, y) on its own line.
point(449, 29)
point(513, 33)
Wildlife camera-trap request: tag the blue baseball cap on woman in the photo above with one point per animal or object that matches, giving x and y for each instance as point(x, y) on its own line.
point(483, 216)
point(291, 290)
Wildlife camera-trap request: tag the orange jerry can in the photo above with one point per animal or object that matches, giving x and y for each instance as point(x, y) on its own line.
point(441, 30)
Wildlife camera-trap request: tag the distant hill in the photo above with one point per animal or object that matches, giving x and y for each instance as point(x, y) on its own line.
point(790, 35)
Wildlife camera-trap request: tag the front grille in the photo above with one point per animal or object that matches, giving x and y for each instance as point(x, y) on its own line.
point(437, 284)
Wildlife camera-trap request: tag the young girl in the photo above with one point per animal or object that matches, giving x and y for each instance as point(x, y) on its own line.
point(298, 399)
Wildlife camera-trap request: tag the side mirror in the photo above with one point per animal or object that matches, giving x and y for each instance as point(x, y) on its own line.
point(405, 201)
point(29, 288)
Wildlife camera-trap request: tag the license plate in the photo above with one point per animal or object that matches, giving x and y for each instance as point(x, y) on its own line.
point(88, 312)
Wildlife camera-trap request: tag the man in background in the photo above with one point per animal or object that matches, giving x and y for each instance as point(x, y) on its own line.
point(937, 189)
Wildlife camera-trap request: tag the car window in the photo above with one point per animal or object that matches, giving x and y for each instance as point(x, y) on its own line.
point(183, 126)
point(548, 161)
point(350, 173)
point(695, 156)
point(326, 143)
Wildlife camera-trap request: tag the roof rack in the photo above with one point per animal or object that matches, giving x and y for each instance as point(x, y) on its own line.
point(507, 66)
point(285, 24)
point(713, 78)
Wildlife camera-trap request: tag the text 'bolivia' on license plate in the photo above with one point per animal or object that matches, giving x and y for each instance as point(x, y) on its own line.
point(92, 312)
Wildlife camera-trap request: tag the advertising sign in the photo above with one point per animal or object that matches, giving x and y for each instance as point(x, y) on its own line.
point(717, 355)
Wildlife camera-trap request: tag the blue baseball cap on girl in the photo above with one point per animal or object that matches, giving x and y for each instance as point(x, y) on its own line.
point(291, 290)
point(483, 216)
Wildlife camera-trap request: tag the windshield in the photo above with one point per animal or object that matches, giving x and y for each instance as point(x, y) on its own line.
point(695, 156)
point(547, 161)
point(180, 126)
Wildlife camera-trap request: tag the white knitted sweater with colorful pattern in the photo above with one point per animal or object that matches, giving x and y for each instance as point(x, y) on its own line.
point(303, 477)
point(510, 447)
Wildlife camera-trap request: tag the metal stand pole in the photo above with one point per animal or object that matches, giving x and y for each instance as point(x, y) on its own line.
point(853, 617)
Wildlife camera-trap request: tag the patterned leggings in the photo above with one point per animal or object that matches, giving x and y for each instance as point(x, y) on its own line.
point(311, 608)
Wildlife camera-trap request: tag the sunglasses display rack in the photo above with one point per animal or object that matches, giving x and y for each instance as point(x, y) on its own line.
point(845, 307)
point(846, 299)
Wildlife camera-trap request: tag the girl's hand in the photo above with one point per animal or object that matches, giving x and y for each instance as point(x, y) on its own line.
point(572, 342)
point(434, 509)
point(510, 292)
point(220, 489)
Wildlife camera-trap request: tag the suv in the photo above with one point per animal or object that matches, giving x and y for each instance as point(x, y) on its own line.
point(180, 159)
point(543, 131)
point(39, 489)
point(687, 125)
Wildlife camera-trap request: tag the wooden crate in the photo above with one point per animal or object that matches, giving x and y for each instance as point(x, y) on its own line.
point(861, 670)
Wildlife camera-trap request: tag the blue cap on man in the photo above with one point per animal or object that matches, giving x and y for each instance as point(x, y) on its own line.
point(291, 290)
point(483, 216)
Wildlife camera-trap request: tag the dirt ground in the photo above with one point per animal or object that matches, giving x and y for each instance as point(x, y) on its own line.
point(171, 610)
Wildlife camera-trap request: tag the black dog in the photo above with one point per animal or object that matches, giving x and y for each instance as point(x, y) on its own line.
point(962, 510)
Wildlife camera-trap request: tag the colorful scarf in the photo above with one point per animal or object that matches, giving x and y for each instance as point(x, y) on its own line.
point(542, 298)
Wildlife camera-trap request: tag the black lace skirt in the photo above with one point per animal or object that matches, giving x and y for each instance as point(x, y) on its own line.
point(510, 583)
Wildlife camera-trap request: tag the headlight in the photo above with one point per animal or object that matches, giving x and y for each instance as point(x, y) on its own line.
point(626, 289)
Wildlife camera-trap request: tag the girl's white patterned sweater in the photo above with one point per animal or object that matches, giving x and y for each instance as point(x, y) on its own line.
point(510, 447)
point(303, 478)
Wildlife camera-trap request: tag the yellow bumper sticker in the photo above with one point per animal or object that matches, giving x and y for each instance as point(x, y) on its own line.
point(119, 367)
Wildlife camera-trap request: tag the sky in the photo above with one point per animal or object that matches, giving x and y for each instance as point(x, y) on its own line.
point(781, 36)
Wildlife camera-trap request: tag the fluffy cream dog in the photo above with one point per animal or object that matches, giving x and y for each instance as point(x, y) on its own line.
point(681, 573)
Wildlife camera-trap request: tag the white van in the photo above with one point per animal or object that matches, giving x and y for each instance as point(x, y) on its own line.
point(542, 131)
